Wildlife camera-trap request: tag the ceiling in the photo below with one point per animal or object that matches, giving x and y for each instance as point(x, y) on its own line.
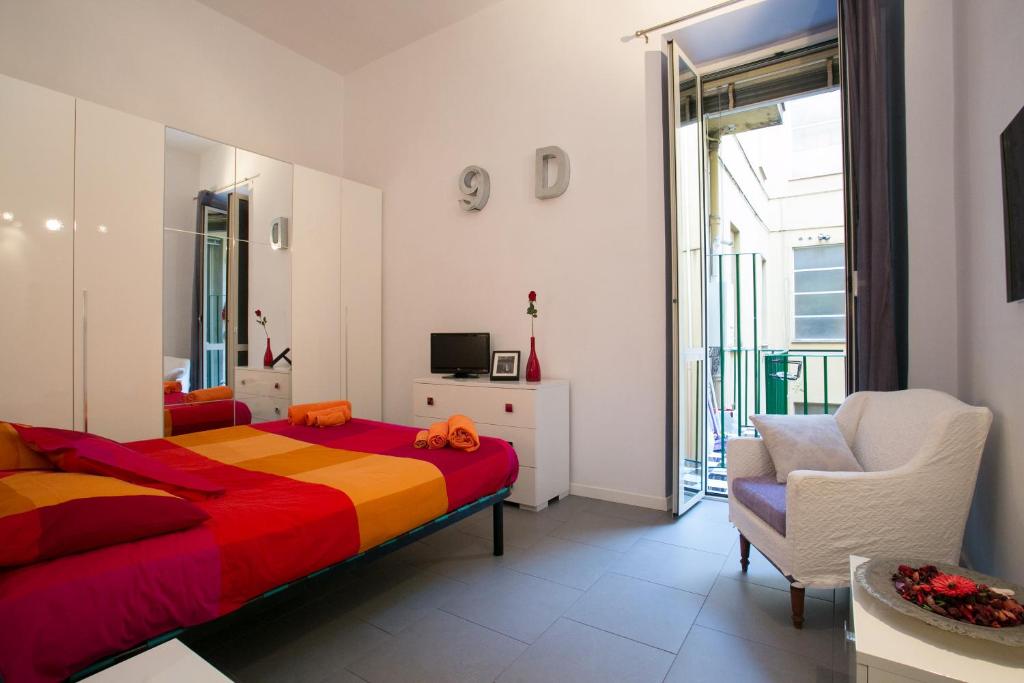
point(754, 25)
point(343, 35)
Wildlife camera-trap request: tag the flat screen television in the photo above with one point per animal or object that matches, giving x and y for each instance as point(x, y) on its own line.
point(1012, 143)
point(463, 354)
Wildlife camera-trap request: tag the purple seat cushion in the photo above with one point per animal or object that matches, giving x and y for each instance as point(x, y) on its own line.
point(765, 497)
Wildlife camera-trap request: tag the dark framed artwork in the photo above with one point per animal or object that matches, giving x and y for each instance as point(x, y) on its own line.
point(1011, 142)
point(505, 366)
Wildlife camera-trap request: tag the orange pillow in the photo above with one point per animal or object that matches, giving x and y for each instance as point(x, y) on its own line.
point(49, 514)
point(15, 455)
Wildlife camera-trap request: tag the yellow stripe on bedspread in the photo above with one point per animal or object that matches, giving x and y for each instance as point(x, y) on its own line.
point(391, 495)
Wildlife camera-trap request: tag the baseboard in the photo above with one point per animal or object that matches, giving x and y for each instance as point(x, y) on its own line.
point(616, 496)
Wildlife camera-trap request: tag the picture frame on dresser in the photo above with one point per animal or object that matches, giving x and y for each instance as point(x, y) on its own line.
point(505, 366)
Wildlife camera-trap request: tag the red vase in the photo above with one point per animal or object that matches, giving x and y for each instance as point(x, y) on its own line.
point(533, 364)
point(268, 356)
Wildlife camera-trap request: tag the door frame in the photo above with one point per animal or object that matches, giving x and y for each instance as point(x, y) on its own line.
point(672, 116)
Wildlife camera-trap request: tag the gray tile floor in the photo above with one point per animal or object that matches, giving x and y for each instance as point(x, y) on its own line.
point(586, 591)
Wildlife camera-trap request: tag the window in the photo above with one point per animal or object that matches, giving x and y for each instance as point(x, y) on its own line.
point(819, 293)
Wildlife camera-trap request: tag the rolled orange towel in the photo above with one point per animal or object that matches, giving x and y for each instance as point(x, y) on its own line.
point(421, 439)
point(297, 413)
point(329, 417)
point(462, 433)
point(437, 435)
point(211, 394)
point(172, 387)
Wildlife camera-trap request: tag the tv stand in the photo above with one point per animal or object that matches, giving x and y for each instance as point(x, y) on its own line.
point(462, 375)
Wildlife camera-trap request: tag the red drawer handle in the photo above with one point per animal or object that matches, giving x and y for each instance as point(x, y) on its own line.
point(508, 408)
point(430, 400)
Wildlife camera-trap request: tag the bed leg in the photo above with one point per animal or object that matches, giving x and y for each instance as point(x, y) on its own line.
point(499, 529)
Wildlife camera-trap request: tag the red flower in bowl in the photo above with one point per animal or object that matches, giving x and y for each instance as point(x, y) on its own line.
point(953, 586)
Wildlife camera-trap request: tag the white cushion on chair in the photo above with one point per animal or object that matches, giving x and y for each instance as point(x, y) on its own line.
point(805, 442)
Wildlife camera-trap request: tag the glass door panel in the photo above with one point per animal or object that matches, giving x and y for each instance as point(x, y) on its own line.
point(689, 391)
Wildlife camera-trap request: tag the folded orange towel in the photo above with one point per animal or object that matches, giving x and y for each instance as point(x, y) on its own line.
point(172, 387)
point(437, 435)
point(462, 433)
point(297, 413)
point(421, 439)
point(212, 394)
point(329, 417)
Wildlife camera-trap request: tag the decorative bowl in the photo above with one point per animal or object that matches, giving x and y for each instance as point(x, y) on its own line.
point(875, 577)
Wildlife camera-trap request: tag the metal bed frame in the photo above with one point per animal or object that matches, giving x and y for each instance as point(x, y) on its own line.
point(257, 604)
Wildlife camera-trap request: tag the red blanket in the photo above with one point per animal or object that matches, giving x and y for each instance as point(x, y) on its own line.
point(298, 499)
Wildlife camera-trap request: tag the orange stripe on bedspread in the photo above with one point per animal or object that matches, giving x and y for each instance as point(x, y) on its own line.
point(391, 495)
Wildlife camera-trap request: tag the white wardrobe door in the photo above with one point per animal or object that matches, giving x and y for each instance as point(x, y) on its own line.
point(317, 335)
point(361, 295)
point(119, 167)
point(37, 163)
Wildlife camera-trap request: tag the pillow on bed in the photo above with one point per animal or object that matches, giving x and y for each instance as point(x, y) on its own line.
point(15, 455)
point(49, 514)
point(90, 454)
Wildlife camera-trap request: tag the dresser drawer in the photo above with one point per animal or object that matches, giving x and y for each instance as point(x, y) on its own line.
point(265, 409)
point(486, 404)
point(524, 491)
point(259, 383)
point(521, 438)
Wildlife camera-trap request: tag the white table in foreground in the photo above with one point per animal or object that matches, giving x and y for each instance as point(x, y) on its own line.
point(895, 648)
point(170, 662)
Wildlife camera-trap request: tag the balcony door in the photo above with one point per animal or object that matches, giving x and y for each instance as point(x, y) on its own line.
point(688, 249)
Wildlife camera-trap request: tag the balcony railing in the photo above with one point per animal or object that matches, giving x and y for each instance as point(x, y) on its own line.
point(746, 377)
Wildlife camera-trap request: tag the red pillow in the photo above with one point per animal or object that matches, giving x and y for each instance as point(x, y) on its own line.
point(47, 514)
point(90, 454)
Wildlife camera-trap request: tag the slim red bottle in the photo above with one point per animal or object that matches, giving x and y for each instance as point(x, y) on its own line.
point(533, 364)
point(268, 355)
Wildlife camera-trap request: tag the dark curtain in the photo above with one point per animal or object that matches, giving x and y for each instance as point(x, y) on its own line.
point(203, 199)
point(871, 45)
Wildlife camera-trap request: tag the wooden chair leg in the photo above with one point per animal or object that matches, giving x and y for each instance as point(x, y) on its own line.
point(744, 553)
point(796, 601)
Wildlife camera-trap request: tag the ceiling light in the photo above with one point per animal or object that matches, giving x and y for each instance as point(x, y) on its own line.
point(53, 224)
point(102, 228)
point(6, 216)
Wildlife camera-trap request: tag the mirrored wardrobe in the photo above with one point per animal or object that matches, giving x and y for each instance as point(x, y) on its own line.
point(226, 285)
point(129, 249)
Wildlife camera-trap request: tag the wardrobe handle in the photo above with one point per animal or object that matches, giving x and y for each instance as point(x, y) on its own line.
point(85, 360)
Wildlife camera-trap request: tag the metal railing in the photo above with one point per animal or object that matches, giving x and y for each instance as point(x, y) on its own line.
point(746, 377)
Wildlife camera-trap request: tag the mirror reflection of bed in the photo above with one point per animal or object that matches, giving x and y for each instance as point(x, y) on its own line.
point(219, 269)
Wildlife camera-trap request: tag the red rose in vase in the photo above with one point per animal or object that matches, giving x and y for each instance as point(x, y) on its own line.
point(532, 363)
point(268, 355)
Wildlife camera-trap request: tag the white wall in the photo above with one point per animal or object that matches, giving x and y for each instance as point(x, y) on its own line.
point(991, 363)
point(931, 193)
point(489, 90)
point(182, 64)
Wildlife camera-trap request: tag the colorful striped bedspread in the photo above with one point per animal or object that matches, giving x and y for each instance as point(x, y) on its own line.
point(298, 499)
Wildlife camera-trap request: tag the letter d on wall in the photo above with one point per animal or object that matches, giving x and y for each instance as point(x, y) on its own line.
point(544, 188)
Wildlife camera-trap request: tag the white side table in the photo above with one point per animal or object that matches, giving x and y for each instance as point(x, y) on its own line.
point(170, 662)
point(895, 648)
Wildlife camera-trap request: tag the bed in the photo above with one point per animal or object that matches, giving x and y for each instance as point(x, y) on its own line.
point(297, 500)
point(181, 417)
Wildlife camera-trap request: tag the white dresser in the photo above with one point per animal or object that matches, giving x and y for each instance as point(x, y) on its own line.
point(267, 392)
point(533, 417)
point(896, 648)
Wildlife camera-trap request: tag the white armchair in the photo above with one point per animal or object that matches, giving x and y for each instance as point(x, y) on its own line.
point(920, 450)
